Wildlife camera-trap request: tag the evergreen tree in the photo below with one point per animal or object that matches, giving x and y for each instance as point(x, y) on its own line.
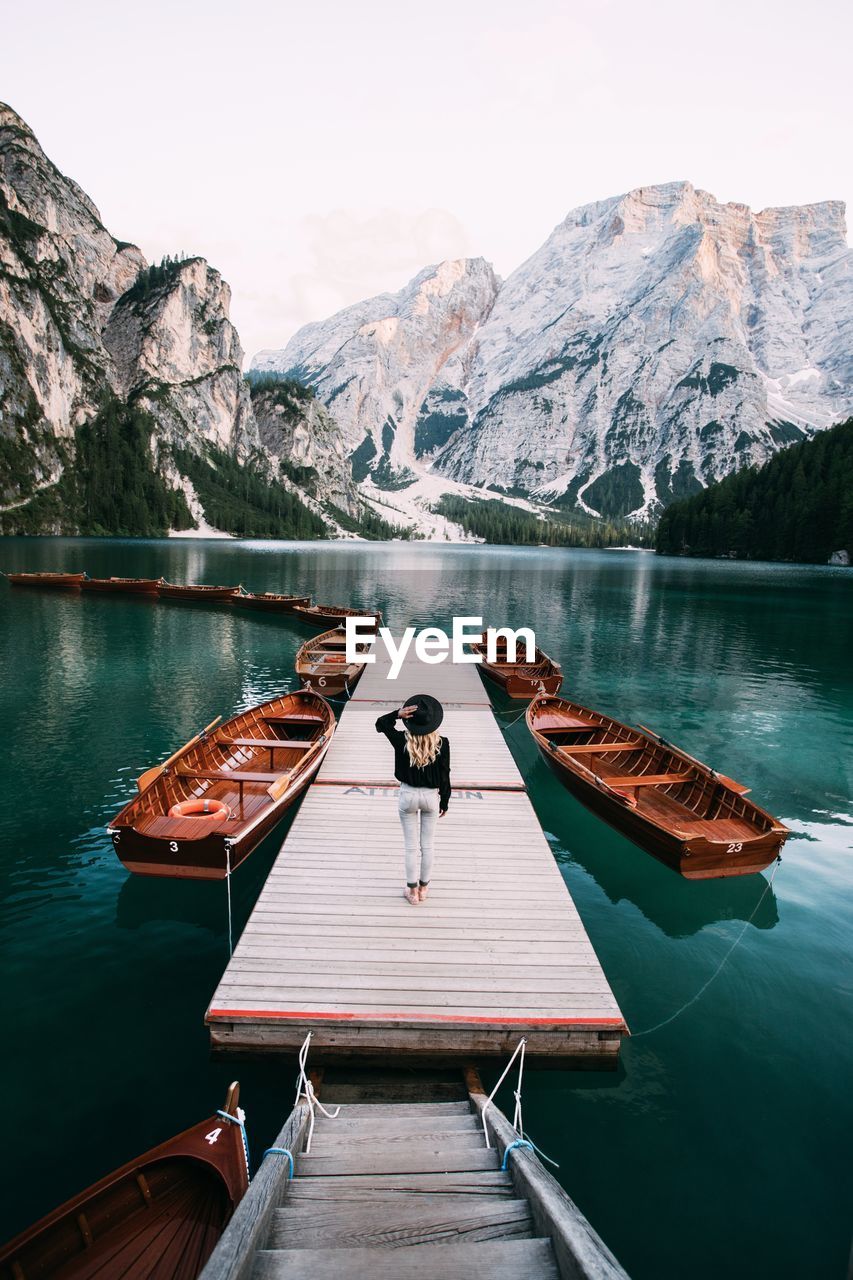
point(798, 506)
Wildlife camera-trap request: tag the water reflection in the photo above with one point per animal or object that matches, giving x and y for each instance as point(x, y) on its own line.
point(746, 666)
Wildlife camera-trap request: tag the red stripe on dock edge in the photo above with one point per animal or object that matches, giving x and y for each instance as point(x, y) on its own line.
point(233, 1015)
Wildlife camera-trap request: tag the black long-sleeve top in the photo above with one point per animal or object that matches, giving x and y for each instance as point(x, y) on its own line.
point(435, 775)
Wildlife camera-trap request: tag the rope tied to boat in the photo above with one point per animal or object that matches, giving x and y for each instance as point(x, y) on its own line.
point(516, 1119)
point(281, 1151)
point(305, 1089)
point(511, 711)
point(524, 1139)
point(240, 1121)
point(228, 895)
point(647, 1031)
point(513, 1146)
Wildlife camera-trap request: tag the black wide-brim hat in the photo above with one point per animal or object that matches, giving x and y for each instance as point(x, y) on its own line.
point(428, 716)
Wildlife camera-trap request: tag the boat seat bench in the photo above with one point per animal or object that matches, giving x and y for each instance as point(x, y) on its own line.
point(293, 719)
point(590, 748)
point(569, 725)
point(725, 829)
point(229, 775)
point(299, 744)
point(648, 780)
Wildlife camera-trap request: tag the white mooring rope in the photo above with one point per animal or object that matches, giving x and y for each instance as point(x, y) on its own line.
point(228, 895)
point(719, 969)
point(305, 1089)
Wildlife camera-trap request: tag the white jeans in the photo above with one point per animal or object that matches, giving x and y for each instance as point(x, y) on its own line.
point(418, 808)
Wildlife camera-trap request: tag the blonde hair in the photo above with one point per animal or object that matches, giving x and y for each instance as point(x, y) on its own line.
point(422, 748)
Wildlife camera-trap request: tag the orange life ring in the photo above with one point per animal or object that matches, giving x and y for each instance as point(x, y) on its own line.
point(212, 810)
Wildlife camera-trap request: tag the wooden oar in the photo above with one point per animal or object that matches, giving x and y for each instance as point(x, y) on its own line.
point(151, 775)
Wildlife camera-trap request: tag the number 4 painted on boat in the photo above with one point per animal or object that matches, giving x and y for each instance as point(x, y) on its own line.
point(213, 1136)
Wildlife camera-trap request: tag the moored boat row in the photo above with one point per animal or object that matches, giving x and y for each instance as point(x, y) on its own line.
point(267, 601)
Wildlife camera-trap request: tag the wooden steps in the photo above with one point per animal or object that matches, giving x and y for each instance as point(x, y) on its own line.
point(376, 1181)
point(506, 1260)
point(406, 1189)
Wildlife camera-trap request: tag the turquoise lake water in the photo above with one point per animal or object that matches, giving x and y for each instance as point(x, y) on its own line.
point(721, 1146)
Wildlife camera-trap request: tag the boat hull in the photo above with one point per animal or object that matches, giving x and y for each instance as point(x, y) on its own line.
point(198, 595)
point(159, 1215)
point(271, 604)
point(330, 683)
point(333, 619)
point(322, 667)
point(59, 581)
point(207, 857)
point(695, 859)
point(520, 685)
point(150, 838)
point(696, 821)
point(123, 586)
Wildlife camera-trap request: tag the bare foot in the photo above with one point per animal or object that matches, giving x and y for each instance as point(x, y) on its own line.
point(411, 896)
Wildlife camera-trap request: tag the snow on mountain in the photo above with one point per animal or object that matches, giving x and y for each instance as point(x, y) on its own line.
point(657, 341)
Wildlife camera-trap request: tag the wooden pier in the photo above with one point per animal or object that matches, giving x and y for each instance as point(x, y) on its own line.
point(401, 1185)
point(497, 951)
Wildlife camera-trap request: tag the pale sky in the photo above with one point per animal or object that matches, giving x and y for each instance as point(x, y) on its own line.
point(318, 154)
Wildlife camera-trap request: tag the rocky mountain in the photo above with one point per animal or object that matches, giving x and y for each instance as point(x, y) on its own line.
point(300, 439)
point(656, 342)
point(136, 367)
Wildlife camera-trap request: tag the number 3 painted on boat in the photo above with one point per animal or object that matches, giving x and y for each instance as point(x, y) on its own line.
point(173, 846)
point(734, 848)
point(213, 1136)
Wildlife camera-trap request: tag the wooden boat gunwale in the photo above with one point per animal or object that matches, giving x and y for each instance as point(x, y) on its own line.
point(686, 782)
point(223, 1157)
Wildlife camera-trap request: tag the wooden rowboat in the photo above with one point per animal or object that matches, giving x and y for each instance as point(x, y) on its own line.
point(133, 586)
point(325, 615)
point(159, 1215)
point(45, 579)
point(695, 820)
point(202, 812)
point(270, 602)
point(321, 663)
point(521, 680)
point(173, 591)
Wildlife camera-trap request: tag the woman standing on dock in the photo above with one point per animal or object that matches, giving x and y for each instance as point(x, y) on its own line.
point(422, 767)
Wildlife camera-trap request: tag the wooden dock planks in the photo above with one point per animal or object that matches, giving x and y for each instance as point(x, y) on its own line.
point(497, 951)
